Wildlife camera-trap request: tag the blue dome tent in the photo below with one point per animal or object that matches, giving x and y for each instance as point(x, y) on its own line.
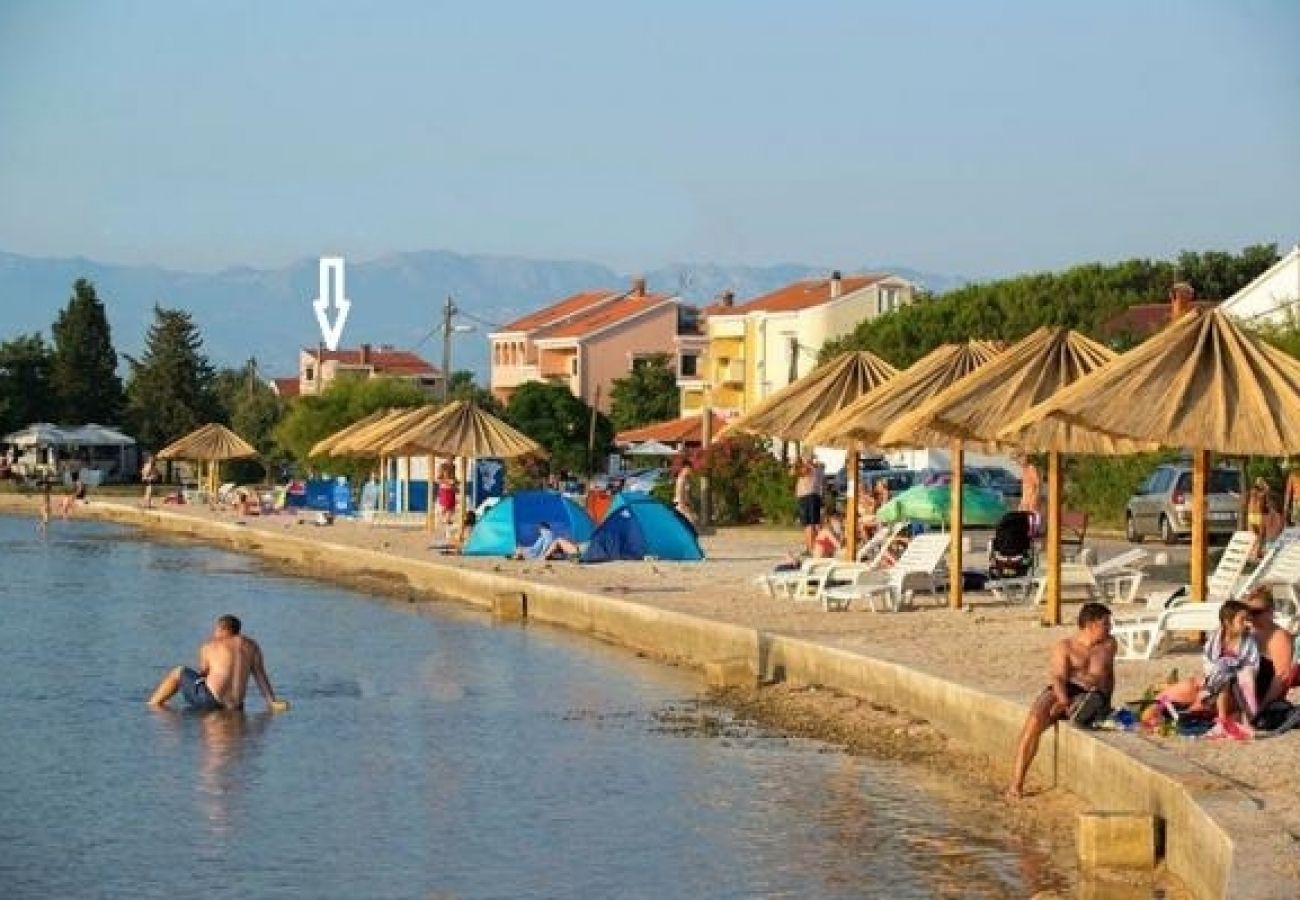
point(636, 526)
point(513, 522)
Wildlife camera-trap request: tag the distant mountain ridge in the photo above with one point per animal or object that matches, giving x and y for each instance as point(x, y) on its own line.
point(397, 298)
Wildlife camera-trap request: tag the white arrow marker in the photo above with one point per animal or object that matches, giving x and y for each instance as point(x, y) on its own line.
point(331, 292)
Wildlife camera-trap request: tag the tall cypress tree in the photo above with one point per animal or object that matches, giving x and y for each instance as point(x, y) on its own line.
point(25, 395)
point(172, 388)
point(83, 371)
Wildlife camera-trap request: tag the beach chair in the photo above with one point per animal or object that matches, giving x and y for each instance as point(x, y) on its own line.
point(920, 563)
point(1141, 637)
point(1120, 577)
point(873, 551)
point(1074, 528)
point(1226, 582)
point(796, 584)
point(1280, 570)
point(840, 574)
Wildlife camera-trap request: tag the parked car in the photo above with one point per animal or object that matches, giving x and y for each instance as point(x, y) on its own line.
point(644, 480)
point(1163, 504)
point(999, 479)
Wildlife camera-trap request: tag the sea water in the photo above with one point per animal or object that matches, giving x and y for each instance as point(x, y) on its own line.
point(428, 753)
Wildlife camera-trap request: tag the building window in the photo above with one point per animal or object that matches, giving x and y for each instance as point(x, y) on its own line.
point(573, 366)
point(310, 374)
point(689, 366)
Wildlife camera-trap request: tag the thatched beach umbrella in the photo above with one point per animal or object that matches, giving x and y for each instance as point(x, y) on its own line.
point(1202, 384)
point(325, 446)
point(867, 419)
point(795, 410)
point(977, 408)
point(365, 442)
point(212, 443)
point(462, 429)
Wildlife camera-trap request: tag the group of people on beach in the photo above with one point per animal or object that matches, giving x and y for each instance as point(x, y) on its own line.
point(1248, 666)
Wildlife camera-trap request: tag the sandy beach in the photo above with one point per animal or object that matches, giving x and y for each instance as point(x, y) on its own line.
point(998, 648)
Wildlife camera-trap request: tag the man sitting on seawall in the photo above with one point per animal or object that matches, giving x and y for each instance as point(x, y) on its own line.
point(1083, 677)
point(547, 546)
point(226, 660)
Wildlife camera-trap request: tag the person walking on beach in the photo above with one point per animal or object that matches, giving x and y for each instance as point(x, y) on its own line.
point(1083, 676)
point(682, 492)
point(47, 505)
point(226, 661)
point(148, 475)
point(808, 478)
point(1291, 495)
point(76, 493)
point(1257, 506)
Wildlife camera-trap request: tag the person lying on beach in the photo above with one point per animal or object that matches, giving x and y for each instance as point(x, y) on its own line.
point(547, 546)
point(1235, 675)
point(226, 660)
point(1083, 677)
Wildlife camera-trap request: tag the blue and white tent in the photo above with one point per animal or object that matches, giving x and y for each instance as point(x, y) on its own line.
point(639, 526)
point(512, 523)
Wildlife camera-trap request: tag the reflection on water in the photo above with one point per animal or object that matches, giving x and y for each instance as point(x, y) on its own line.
point(427, 754)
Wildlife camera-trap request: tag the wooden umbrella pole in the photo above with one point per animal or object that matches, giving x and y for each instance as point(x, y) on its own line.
point(955, 508)
point(851, 509)
point(428, 505)
point(1052, 615)
point(1200, 474)
point(406, 484)
point(383, 484)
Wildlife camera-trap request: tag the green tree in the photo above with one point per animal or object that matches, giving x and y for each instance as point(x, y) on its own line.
point(313, 417)
point(84, 366)
point(25, 392)
point(464, 387)
point(253, 411)
point(171, 390)
point(1083, 297)
point(645, 395)
point(560, 422)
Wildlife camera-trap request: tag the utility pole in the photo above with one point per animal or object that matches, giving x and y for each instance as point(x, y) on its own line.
point(448, 310)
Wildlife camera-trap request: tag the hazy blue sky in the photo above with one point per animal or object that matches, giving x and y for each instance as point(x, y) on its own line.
point(972, 138)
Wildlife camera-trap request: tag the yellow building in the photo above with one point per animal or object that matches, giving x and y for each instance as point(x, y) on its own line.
point(734, 356)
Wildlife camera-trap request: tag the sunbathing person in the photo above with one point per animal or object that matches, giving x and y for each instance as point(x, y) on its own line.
point(1231, 674)
point(829, 537)
point(1083, 676)
point(547, 546)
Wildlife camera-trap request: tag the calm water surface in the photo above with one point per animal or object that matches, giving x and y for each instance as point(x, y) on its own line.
point(428, 754)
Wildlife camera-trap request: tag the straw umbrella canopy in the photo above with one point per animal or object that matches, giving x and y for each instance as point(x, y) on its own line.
point(365, 442)
point(212, 443)
point(462, 429)
point(1202, 384)
point(795, 410)
point(325, 446)
point(867, 419)
point(978, 407)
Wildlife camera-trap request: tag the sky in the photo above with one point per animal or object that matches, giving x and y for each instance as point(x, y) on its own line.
point(975, 139)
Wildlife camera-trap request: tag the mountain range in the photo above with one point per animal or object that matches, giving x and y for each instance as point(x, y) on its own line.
point(397, 299)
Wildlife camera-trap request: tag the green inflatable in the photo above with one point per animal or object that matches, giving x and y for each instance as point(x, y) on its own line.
point(931, 503)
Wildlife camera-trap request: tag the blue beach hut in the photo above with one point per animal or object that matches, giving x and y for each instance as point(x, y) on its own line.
point(513, 522)
point(636, 526)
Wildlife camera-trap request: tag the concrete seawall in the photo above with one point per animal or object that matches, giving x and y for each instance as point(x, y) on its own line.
point(1200, 815)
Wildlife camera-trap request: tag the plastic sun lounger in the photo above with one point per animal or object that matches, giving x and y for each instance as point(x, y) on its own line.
point(797, 584)
point(1227, 581)
point(1141, 638)
point(895, 586)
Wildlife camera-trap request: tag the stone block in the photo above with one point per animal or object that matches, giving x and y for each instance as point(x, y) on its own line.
point(1116, 840)
point(730, 673)
point(511, 606)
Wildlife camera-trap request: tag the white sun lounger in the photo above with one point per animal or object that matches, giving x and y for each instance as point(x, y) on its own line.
point(1141, 638)
point(808, 581)
point(1227, 580)
point(921, 562)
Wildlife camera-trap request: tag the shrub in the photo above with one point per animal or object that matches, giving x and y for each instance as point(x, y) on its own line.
point(746, 483)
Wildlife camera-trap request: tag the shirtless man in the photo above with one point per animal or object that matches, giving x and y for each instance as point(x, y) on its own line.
point(226, 660)
point(1031, 490)
point(1081, 663)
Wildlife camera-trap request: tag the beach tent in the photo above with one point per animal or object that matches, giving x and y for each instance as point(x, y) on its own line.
point(512, 523)
point(636, 526)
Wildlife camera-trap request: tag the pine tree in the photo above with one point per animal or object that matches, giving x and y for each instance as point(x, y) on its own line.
point(172, 386)
point(84, 367)
point(25, 395)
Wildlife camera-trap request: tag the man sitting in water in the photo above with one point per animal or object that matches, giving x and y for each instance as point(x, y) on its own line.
point(225, 662)
point(547, 546)
point(1083, 672)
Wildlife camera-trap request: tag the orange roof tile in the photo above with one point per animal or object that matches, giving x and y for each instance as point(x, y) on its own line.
point(799, 295)
point(602, 316)
point(1143, 319)
point(688, 430)
point(384, 362)
point(569, 306)
point(286, 387)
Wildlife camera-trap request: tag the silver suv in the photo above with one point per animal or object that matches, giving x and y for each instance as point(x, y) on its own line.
point(1163, 504)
